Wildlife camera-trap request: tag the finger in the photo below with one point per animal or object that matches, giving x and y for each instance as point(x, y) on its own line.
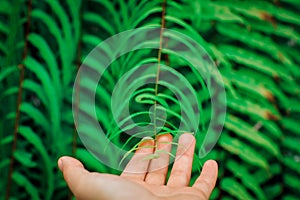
point(208, 177)
point(73, 172)
point(181, 171)
point(158, 168)
point(91, 186)
point(137, 167)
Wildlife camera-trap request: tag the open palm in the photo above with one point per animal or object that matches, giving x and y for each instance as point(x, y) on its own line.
point(145, 178)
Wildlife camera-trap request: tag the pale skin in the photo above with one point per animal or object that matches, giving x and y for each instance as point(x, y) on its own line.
point(145, 179)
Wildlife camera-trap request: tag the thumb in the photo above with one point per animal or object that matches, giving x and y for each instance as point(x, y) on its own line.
point(90, 186)
point(208, 177)
point(66, 161)
point(73, 172)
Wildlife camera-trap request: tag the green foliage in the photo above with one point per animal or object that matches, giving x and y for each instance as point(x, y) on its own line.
point(255, 45)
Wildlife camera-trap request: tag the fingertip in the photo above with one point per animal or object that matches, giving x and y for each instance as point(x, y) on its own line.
point(210, 168)
point(186, 138)
point(146, 146)
point(66, 162)
point(147, 140)
point(189, 136)
point(208, 177)
point(165, 137)
point(73, 172)
point(211, 164)
point(60, 163)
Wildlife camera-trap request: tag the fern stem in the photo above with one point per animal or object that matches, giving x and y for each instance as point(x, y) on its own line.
point(77, 88)
point(163, 21)
point(19, 102)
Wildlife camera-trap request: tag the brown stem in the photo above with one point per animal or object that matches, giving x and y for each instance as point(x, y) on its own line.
point(163, 21)
point(19, 102)
point(77, 88)
point(160, 44)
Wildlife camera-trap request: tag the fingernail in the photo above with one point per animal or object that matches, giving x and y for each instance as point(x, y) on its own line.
point(211, 163)
point(186, 138)
point(60, 164)
point(147, 138)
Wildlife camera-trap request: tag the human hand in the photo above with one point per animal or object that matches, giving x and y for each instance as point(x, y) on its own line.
point(145, 178)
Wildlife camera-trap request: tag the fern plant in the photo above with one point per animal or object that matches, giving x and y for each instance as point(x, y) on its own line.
point(254, 44)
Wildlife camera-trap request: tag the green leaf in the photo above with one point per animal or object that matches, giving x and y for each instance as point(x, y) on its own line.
point(244, 151)
point(49, 57)
point(291, 143)
point(244, 130)
point(35, 114)
point(290, 197)
point(213, 11)
point(141, 12)
point(25, 158)
point(5, 7)
point(247, 178)
point(292, 163)
point(274, 191)
point(255, 61)
point(235, 188)
point(7, 72)
point(291, 125)
point(8, 139)
point(52, 103)
point(253, 110)
point(291, 181)
point(37, 143)
point(24, 182)
point(96, 19)
point(37, 89)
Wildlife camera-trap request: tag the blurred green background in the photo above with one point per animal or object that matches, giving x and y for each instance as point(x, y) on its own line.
point(254, 43)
